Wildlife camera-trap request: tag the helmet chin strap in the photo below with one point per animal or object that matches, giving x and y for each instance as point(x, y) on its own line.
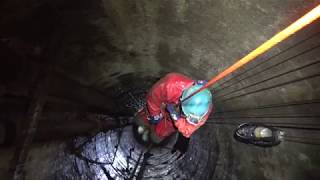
point(191, 122)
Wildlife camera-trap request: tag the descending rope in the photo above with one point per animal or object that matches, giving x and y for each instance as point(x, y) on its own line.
point(308, 18)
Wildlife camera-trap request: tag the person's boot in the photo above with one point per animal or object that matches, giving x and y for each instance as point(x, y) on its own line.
point(145, 136)
point(141, 129)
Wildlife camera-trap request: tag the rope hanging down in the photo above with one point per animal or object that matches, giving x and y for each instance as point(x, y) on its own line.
point(308, 18)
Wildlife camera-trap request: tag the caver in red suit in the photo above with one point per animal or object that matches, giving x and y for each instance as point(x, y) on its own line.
point(165, 111)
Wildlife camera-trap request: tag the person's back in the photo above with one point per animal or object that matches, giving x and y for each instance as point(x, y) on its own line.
point(167, 114)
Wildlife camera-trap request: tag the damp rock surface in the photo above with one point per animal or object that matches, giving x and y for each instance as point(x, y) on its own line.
point(107, 53)
point(117, 155)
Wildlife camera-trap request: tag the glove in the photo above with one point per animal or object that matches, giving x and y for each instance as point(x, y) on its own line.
point(201, 82)
point(173, 113)
point(155, 119)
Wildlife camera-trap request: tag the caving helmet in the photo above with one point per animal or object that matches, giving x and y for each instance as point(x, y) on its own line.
point(197, 106)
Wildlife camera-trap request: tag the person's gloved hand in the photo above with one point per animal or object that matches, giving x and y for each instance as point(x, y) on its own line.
point(201, 82)
point(172, 111)
point(155, 119)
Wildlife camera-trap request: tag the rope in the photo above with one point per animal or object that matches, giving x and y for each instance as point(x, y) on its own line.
point(308, 18)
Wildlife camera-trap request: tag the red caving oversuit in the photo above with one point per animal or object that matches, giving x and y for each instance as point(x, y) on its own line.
point(168, 90)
